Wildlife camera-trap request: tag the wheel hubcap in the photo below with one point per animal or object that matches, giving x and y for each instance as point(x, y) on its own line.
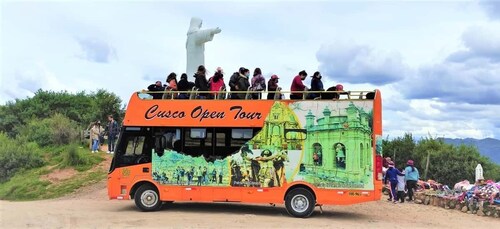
point(300, 203)
point(149, 198)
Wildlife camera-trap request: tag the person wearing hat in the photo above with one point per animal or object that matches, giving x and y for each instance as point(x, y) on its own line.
point(95, 133)
point(316, 85)
point(392, 176)
point(411, 178)
point(272, 87)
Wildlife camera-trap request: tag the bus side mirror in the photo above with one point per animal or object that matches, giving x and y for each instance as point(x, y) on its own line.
point(160, 145)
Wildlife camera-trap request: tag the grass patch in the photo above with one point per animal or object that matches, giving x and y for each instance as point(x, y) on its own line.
point(79, 158)
point(27, 185)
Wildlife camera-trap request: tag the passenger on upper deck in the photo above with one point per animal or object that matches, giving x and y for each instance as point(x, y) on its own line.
point(201, 81)
point(258, 83)
point(157, 87)
point(184, 85)
point(298, 87)
point(272, 86)
point(171, 86)
point(242, 84)
point(233, 82)
point(216, 82)
point(316, 85)
point(171, 76)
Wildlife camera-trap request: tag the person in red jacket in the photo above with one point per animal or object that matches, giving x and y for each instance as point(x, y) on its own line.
point(216, 82)
point(298, 87)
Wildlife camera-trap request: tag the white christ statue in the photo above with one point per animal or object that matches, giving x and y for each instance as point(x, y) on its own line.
point(195, 44)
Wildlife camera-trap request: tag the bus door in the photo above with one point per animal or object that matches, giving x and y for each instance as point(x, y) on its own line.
point(224, 146)
point(196, 147)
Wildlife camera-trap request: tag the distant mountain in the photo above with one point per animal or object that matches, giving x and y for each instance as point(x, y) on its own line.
point(488, 147)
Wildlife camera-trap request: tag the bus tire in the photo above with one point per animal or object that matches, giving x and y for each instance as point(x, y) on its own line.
point(147, 198)
point(300, 202)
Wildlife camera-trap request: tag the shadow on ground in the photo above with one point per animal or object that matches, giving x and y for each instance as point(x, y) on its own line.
point(250, 209)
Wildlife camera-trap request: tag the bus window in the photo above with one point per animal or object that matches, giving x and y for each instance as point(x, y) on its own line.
point(135, 145)
point(240, 136)
point(241, 133)
point(220, 139)
point(198, 133)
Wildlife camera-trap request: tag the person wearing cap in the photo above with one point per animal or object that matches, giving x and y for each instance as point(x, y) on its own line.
point(272, 87)
point(95, 133)
point(316, 85)
point(297, 88)
point(411, 178)
point(392, 176)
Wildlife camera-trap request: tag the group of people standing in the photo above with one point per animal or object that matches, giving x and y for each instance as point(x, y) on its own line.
point(240, 83)
point(401, 181)
point(97, 133)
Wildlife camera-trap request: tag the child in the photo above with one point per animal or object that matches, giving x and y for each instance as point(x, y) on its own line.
point(401, 187)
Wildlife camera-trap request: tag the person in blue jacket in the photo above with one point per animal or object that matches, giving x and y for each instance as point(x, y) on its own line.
point(392, 176)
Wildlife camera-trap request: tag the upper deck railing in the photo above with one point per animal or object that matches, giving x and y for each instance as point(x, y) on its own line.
point(270, 95)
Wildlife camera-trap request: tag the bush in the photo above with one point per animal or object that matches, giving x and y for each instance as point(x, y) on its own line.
point(16, 155)
point(53, 131)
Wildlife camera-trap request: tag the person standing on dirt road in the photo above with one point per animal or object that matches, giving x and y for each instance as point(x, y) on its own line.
point(95, 133)
point(411, 178)
point(112, 132)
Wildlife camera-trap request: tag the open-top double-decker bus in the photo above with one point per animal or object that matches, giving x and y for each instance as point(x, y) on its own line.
point(303, 153)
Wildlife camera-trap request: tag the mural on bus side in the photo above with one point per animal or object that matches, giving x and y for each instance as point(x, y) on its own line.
point(338, 148)
point(336, 152)
point(175, 168)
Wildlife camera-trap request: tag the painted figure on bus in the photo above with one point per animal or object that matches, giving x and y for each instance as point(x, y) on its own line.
point(267, 174)
point(198, 174)
point(279, 166)
point(340, 155)
point(317, 154)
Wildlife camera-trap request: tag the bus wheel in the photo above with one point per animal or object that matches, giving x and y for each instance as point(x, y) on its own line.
point(147, 199)
point(300, 202)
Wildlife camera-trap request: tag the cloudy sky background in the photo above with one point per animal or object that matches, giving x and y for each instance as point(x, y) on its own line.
point(436, 63)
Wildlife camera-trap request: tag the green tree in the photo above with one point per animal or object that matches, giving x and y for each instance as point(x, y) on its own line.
point(82, 108)
point(400, 149)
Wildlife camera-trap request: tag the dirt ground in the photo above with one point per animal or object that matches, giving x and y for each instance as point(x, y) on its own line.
point(90, 208)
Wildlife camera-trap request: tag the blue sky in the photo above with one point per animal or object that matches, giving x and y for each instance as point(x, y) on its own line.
point(436, 63)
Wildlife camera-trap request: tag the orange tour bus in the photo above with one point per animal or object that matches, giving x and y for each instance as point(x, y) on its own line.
point(303, 153)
